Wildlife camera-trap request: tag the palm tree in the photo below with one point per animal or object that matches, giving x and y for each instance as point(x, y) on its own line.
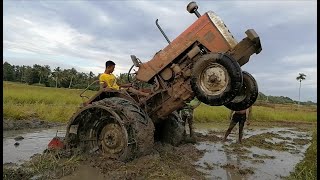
point(300, 78)
point(56, 72)
point(90, 76)
point(73, 72)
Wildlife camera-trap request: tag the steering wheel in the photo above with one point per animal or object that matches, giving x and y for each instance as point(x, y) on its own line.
point(129, 76)
point(136, 62)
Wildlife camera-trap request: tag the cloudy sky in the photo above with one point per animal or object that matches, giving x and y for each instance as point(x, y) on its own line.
point(84, 34)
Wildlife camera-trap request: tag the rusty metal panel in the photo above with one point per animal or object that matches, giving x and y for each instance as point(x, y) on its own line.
point(179, 93)
point(217, 21)
point(174, 49)
point(217, 43)
point(209, 30)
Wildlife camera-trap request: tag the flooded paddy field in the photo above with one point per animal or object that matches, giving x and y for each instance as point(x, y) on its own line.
point(32, 141)
point(267, 152)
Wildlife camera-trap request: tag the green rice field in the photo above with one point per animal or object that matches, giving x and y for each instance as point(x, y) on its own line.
point(23, 101)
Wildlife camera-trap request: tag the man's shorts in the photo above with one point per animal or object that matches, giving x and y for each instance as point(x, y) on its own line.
point(239, 118)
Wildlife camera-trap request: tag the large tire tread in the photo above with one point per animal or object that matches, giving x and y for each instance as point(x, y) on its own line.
point(232, 67)
point(143, 125)
point(250, 96)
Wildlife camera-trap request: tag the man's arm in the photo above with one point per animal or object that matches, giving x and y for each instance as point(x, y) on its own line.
point(102, 85)
point(104, 81)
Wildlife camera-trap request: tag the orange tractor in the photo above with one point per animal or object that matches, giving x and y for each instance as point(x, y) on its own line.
point(204, 61)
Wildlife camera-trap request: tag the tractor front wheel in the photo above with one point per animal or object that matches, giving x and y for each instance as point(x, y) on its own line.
point(216, 79)
point(247, 95)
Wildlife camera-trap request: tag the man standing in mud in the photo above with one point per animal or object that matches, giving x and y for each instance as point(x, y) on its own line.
point(186, 114)
point(238, 117)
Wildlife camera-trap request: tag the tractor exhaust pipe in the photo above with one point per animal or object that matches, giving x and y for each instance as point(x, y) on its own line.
point(165, 36)
point(192, 8)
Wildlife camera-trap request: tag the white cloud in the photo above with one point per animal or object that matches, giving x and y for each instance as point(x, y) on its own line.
point(173, 17)
point(42, 36)
point(53, 38)
point(98, 16)
point(284, 83)
point(53, 34)
point(307, 59)
point(279, 11)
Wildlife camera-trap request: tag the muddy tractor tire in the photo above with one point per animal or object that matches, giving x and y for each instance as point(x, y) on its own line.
point(114, 127)
point(216, 79)
point(247, 95)
point(171, 130)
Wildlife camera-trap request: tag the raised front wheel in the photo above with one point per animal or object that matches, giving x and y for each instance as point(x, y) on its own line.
point(216, 79)
point(248, 94)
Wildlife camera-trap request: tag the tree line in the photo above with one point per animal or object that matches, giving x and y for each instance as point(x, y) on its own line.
point(71, 78)
point(57, 77)
point(281, 100)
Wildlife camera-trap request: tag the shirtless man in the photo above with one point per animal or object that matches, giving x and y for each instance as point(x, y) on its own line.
point(238, 117)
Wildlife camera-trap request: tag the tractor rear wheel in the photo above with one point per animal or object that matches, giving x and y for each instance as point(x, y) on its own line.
point(170, 130)
point(247, 95)
point(216, 79)
point(114, 127)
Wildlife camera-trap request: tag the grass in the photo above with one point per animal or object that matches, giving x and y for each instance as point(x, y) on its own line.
point(45, 163)
point(51, 104)
point(45, 166)
point(277, 112)
point(307, 168)
point(23, 101)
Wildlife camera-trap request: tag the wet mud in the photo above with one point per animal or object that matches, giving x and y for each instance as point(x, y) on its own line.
point(9, 124)
point(265, 153)
point(165, 162)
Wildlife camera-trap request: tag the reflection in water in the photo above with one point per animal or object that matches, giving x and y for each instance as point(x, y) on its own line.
point(217, 154)
point(35, 141)
point(232, 174)
point(256, 159)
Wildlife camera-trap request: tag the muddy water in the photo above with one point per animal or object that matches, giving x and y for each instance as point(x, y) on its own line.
point(85, 172)
point(256, 163)
point(35, 141)
point(220, 161)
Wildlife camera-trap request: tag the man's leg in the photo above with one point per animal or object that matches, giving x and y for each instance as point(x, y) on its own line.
point(231, 126)
point(184, 119)
point(190, 122)
point(241, 125)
